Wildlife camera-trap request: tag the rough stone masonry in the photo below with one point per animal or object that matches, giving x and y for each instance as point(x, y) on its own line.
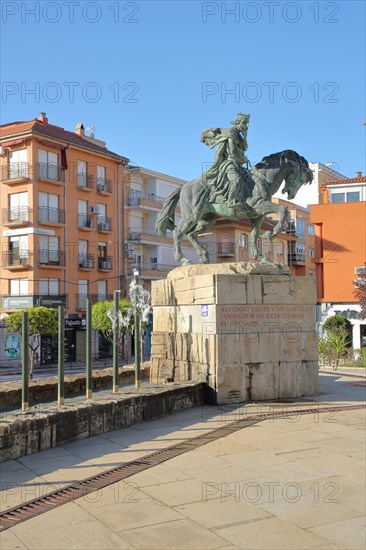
point(246, 329)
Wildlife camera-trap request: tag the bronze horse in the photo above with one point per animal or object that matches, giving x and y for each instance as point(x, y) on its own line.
point(198, 214)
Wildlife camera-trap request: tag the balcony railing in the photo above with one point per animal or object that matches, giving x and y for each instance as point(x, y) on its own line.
point(105, 263)
point(134, 198)
point(15, 171)
point(137, 234)
point(17, 215)
point(50, 215)
point(81, 301)
point(141, 267)
point(104, 224)
point(101, 298)
point(104, 186)
point(86, 261)
point(16, 258)
point(85, 221)
point(51, 172)
point(226, 249)
point(23, 301)
point(49, 257)
point(294, 258)
point(86, 181)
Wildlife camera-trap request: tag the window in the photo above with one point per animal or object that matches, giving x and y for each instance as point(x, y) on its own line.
point(353, 196)
point(225, 243)
point(310, 229)
point(18, 207)
point(48, 208)
point(48, 165)
point(311, 252)
point(243, 240)
point(81, 173)
point(338, 197)
point(102, 290)
point(49, 251)
point(18, 246)
point(102, 250)
point(100, 175)
point(300, 227)
point(83, 293)
point(18, 287)
point(18, 167)
point(49, 287)
point(83, 252)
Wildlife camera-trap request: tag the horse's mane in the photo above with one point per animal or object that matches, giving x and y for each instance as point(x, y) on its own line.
point(276, 159)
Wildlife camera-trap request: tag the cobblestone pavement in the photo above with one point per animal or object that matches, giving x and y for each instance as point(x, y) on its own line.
point(288, 482)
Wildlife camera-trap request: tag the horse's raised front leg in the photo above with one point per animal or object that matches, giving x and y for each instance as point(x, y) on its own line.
point(183, 227)
point(268, 207)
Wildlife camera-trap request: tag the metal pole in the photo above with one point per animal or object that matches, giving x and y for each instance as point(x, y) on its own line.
point(61, 355)
point(25, 362)
point(116, 296)
point(89, 358)
point(137, 335)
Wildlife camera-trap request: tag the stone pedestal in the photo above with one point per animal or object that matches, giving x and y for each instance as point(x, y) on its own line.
point(247, 329)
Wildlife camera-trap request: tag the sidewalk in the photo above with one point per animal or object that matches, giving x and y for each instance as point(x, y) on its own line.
point(292, 482)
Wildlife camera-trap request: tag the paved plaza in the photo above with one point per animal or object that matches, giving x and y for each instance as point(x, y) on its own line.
point(288, 482)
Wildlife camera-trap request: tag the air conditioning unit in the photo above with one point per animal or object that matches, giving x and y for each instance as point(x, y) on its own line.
point(95, 209)
point(106, 265)
point(361, 270)
point(104, 226)
point(87, 263)
point(101, 187)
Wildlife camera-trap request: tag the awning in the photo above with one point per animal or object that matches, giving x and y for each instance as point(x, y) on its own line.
point(52, 144)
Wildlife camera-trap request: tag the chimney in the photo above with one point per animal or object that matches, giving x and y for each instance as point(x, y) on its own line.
point(358, 174)
point(79, 129)
point(42, 118)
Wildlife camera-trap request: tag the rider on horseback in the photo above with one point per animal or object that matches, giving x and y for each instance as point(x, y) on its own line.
point(227, 175)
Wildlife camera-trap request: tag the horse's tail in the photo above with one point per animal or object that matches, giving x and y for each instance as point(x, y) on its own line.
point(166, 220)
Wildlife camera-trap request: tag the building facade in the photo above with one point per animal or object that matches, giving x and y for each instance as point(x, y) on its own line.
point(151, 254)
point(340, 251)
point(62, 196)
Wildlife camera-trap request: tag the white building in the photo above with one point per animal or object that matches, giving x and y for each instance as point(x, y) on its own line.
point(147, 251)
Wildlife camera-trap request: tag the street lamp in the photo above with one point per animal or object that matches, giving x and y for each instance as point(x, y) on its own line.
point(137, 331)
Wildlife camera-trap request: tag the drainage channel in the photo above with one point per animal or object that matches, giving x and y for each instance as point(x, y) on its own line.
point(38, 506)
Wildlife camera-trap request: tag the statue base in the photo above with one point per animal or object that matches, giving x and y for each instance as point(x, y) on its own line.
point(246, 329)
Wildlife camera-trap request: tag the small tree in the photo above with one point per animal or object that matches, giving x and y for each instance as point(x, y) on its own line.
point(101, 320)
point(360, 291)
point(336, 343)
point(41, 321)
point(338, 323)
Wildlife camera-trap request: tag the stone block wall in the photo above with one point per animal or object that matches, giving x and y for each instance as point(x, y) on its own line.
point(247, 330)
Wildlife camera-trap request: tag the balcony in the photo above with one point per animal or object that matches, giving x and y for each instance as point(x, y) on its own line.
point(150, 270)
point(104, 187)
point(104, 224)
point(51, 173)
point(149, 236)
point(86, 182)
point(17, 215)
point(105, 263)
point(85, 222)
point(225, 250)
point(24, 301)
point(51, 258)
point(16, 172)
point(16, 259)
point(86, 262)
point(81, 301)
point(147, 200)
point(101, 298)
point(51, 216)
point(294, 258)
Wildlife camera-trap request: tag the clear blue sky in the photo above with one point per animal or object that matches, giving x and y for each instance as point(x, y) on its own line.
point(140, 74)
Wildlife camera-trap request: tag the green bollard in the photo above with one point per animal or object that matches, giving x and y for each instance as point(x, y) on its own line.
point(89, 359)
point(116, 296)
point(137, 335)
point(25, 362)
point(61, 355)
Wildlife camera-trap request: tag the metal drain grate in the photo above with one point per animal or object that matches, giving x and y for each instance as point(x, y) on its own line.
point(38, 506)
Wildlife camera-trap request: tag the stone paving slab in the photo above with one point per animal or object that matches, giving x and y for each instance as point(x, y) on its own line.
point(277, 484)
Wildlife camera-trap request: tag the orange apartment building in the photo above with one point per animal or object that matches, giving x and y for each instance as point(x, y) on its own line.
point(340, 251)
point(62, 197)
